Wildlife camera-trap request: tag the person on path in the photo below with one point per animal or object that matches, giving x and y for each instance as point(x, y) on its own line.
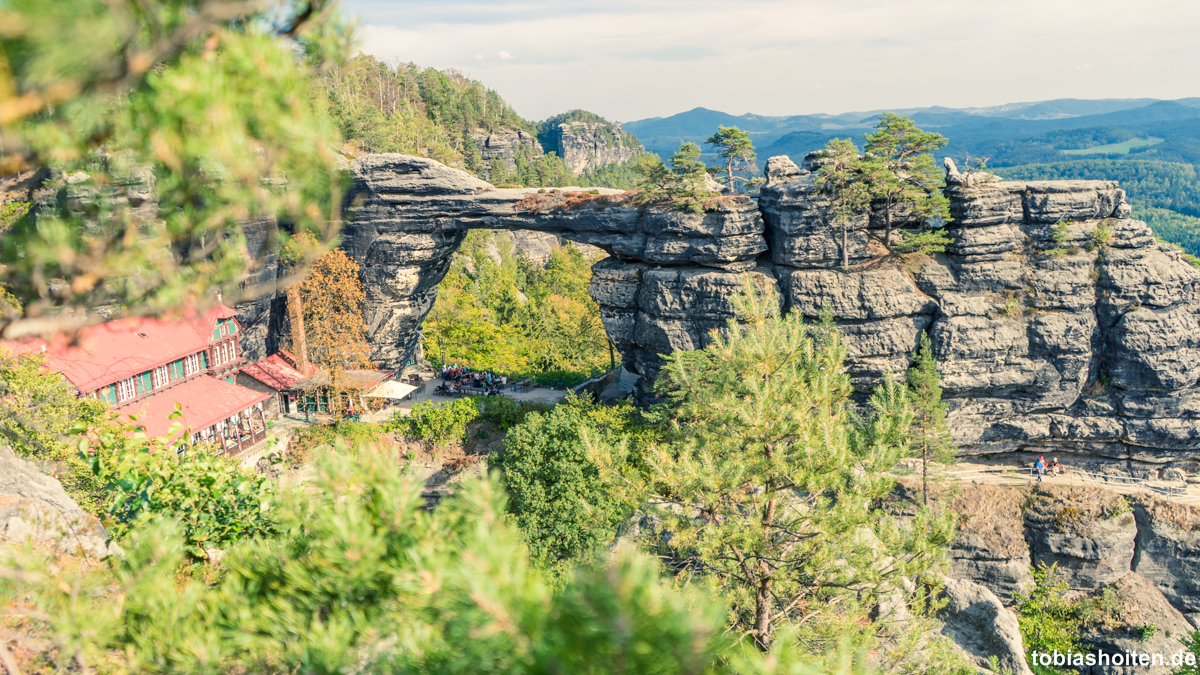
point(1055, 467)
point(1040, 467)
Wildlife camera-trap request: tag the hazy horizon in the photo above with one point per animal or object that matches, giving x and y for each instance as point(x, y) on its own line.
point(630, 60)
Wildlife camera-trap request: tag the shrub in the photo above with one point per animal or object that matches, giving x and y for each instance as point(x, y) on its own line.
point(1049, 622)
point(215, 500)
point(437, 424)
point(507, 413)
point(563, 506)
point(1191, 664)
point(353, 434)
point(1100, 238)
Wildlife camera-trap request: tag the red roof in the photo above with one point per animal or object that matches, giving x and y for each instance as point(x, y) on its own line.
point(277, 371)
point(123, 348)
point(204, 400)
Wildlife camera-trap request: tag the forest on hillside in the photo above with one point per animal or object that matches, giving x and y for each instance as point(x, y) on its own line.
point(402, 107)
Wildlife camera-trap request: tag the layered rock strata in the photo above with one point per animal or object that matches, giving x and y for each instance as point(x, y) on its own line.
point(1059, 323)
point(1136, 550)
point(589, 145)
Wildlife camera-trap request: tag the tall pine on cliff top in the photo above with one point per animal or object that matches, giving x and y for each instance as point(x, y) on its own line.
point(931, 435)
point(769, 486)
point(903, 178)
point(734, 148)
point(841, 177)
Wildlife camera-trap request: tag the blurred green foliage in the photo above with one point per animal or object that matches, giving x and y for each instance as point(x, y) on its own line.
point(148, 133)
point(359, 577)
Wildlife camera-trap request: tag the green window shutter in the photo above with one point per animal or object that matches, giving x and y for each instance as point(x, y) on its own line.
point(216, 331)
point(144, 383)
point(232, 327)
point(109, 394)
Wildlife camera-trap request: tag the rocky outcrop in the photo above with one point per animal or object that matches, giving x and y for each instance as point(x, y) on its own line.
point(505, 145)
point(1143, 621)
point(980, 625)
point(34, 507)
point(1087, 532)
point(585, 145)
point(1168, 549)
point(1058, 322)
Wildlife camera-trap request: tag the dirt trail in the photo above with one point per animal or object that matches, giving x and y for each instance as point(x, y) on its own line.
point(1014, 475)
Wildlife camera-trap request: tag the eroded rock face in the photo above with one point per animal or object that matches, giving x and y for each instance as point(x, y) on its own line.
point(34, 507)
point(590, 145)
point(1059, 323)
point(504, 144)
point(1089, 533)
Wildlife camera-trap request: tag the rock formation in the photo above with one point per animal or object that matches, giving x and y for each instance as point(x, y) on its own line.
point(1059, 323)
point(34, 507)
point(505, 144)
point(1139, 550)
point(587, 145)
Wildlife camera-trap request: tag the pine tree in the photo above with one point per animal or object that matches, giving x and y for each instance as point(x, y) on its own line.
point(733, 146)
point(931, 435)
point(689, 170)
point(769, 485)
point(901, 174)
point(841, 176)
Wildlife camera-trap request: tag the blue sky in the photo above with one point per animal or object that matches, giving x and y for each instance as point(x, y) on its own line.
point(631, 59)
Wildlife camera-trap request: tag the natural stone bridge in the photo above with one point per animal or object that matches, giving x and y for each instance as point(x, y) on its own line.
point(1089, 344)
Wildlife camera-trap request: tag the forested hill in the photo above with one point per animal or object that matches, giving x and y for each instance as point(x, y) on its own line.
point(458, 121)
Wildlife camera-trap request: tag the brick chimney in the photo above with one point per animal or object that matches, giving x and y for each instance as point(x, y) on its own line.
point(299, 340)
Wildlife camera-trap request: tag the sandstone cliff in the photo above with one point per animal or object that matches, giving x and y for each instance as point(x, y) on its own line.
point(587, 144)
point(1059, 323)
point(1137, 549)
point(505, 144)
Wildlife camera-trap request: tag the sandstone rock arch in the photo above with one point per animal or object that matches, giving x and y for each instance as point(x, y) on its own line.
point(1088, 345)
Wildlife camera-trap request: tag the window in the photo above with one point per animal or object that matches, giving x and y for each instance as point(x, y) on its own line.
point(232, 349)
point(145, 382)
point(191, 364)
point(125, 390)
point(204, 360)
point(161, 377)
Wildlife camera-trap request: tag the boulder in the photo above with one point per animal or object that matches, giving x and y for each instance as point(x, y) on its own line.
point(34, 507)
point(980, 625)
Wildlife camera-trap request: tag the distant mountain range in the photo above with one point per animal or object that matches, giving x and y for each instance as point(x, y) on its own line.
point(979, 131)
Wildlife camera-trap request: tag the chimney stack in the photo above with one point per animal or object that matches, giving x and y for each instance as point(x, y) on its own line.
point(296, 319)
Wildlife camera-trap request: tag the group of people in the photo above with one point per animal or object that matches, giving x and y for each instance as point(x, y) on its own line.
point(1040, 467)
point(456, 378)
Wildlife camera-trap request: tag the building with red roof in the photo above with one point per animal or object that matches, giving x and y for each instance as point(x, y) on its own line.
point(147, 368)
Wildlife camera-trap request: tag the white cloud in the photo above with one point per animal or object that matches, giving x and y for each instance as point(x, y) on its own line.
point(628, 59)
